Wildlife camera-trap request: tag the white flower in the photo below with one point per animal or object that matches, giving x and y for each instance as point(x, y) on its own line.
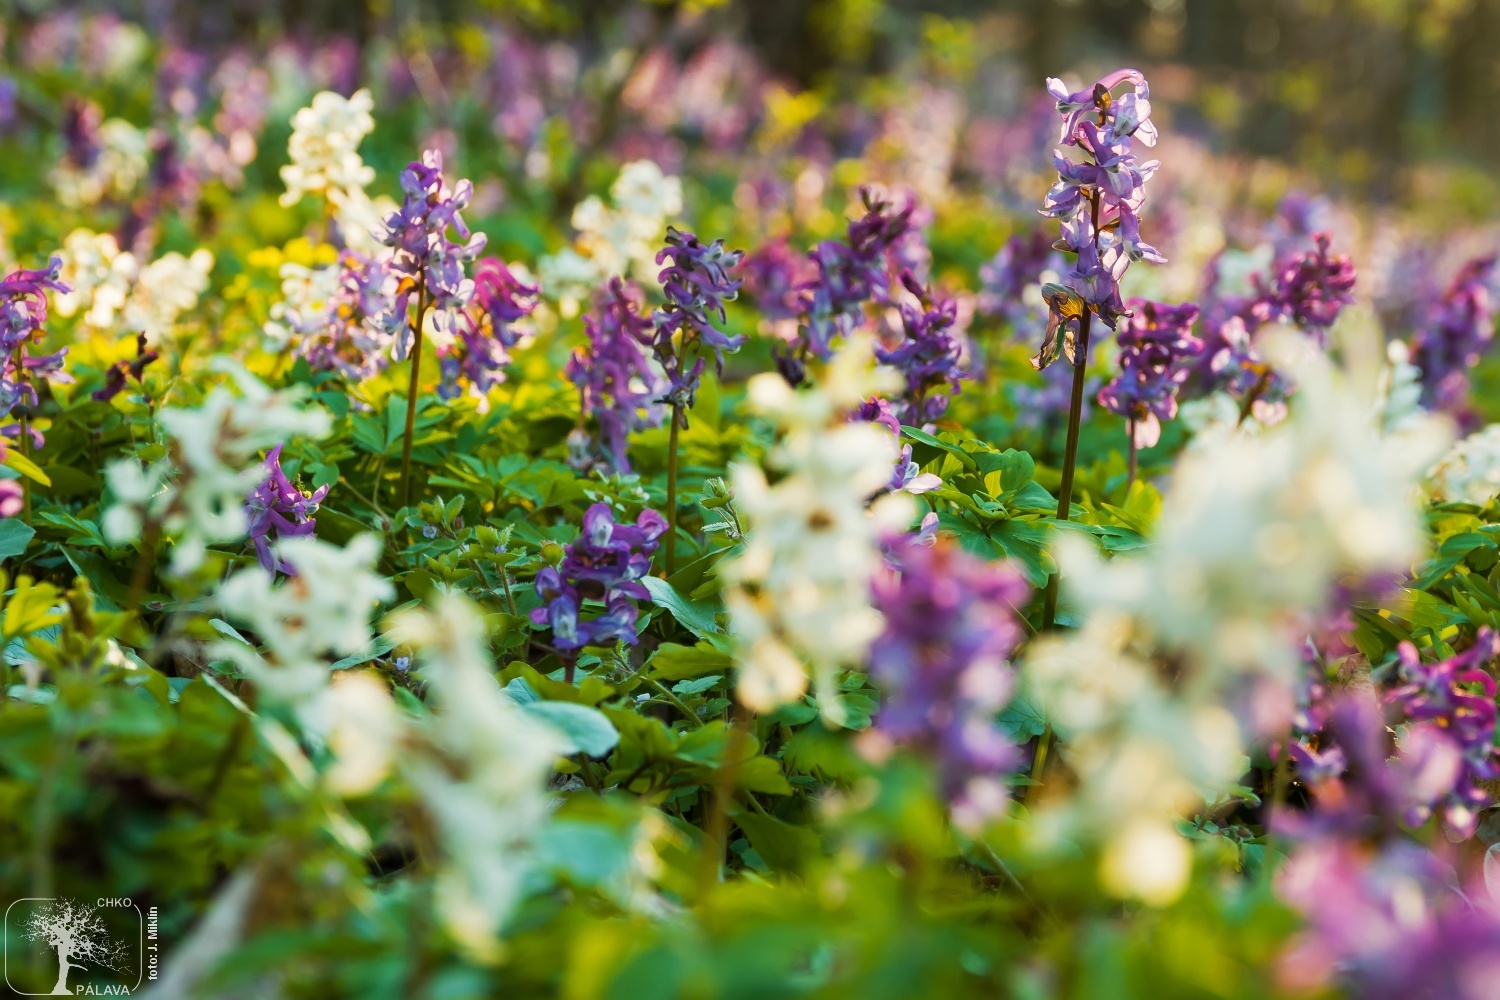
point(800, 591)
point(121, 164)
point(324, 610)
point(99, 274)
point(363, 731)
point(643, 191)
point(487, 790)
point(166, 288)
point(1252, 535)
point(614, 240)
point(1470, 471)
point(214, 463)
point(324, 148)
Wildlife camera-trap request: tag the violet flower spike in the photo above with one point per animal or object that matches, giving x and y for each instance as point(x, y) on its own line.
point(617, 386)
point(277, 509)
point(950, 625)
point(1154, 341)
point(603, 565)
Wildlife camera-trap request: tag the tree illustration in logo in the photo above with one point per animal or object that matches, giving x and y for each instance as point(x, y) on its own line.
point(79, 936)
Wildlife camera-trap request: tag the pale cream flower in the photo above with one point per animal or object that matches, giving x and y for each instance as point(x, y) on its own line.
point(799, 593)
point(1470, 471)
point(99, 274)
point(324, 148)
point(120, 166)
point(168, 287)
point(486, 788)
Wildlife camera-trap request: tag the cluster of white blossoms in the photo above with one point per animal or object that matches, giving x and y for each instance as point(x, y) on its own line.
point(619, 240)
point(325, 161)
point(121, 163)
point(196, 495)
point(1252, 535)
point(1470, 471)
point(322, 612)
point(109, 285)
point(799, 594)
point(99, 274)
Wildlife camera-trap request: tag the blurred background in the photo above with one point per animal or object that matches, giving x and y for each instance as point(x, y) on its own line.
point(1373, 116)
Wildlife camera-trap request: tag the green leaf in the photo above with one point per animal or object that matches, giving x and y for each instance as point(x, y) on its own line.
point(702, 684)
point(674, 662)
point(15, 535)
point(587, 729)
point(974, 539)
point(26, 467)
point(922, 437)
point(763, 774)
point(698, 617)
point(782, 845)
point(1023, 719)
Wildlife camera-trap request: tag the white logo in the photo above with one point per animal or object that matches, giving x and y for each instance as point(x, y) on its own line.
point(97, 949)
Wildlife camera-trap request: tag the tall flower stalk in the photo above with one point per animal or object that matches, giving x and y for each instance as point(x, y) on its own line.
point(697, 285)
point(427, 260)
point(1098, 201)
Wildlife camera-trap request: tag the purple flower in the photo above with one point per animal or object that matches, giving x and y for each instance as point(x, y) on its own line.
point(849, 274)
point(1310, 289)
point(276, 509)
point(485, 331)
point(774, 275)
point(368, 319)
point(604, 565)
point(908, 475)
point(1154, 341)
point(1098, 202)
point(950, 624)
point(617, 386)
point(697, 284)
point(115, 378)
point(1449, 748)
point(929, 355)
point(1459, 329)
point(23, 310)
point(418, 235)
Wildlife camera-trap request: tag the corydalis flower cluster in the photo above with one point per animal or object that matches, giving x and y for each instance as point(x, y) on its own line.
point(1461, 327)
point(1154, 341)
point(605, 565)
point(197, 494)
point(418, 235)
point(929, 355)
point(696, 284)
point(277, 509)
point(1098, 202)
point(1451, 707)
point(849, 274)
point(23, 310)
point(950, 625)
point(485, 331)
point(617, 386)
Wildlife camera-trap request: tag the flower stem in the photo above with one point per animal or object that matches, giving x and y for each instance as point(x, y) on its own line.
point(1070, 453)
point(672, 491)
point(411, 393)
